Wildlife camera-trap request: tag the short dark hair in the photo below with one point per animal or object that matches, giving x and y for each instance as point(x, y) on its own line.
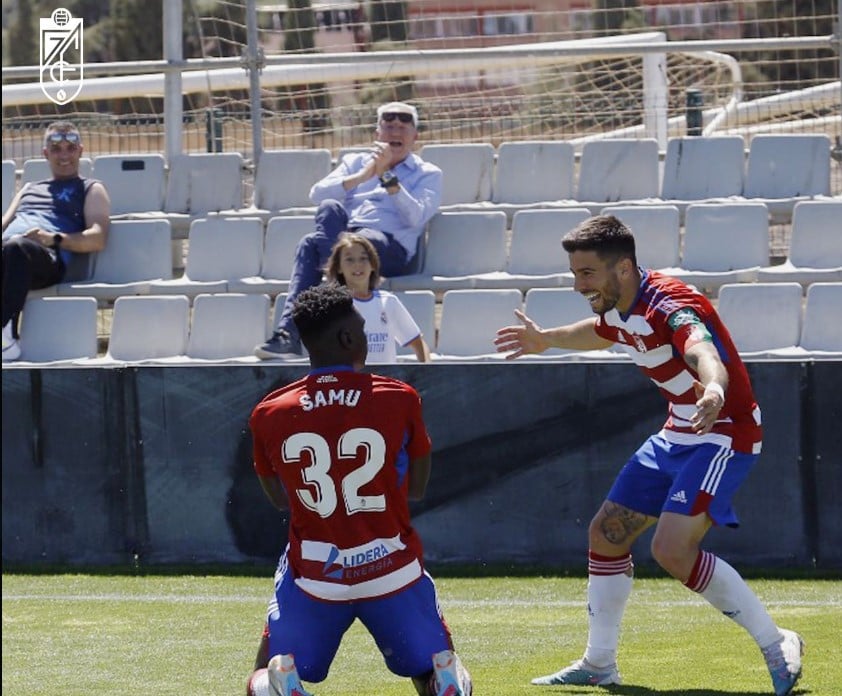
point(608, 236)
point(315, 309)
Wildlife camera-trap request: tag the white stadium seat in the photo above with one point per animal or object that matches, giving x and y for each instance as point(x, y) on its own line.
point(698, 169)
point(58, 329)
point(815, 247)
point(533, 171)
point(821, 333)
point(723, 243)
point(149, 328)
point(784, 169)
point(764, 319)
point(220, 249)
point(460, 247)
point(469, 321)
point(137, 252)
point(135, 183)
point(284, 178)
point(283, 233)
point(536, 257)
point(227, 326)
point(619, 170)
point(467, 171)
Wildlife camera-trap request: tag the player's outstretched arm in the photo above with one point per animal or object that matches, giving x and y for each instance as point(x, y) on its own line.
point(531, 338)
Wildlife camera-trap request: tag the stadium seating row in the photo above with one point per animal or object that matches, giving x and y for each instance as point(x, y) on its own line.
point(766, 320)
point(779, 171)
point(722, 243)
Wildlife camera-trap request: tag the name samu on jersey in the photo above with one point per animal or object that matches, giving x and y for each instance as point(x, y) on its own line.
point(329, 397)
point(666, 318)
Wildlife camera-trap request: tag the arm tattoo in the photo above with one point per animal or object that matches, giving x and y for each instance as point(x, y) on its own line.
point(619, 523)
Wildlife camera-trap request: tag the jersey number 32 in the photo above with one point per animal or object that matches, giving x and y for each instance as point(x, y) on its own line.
point(322, 498)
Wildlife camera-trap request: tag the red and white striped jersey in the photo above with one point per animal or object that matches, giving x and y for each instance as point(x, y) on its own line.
point(663, 322)
point(341, 443)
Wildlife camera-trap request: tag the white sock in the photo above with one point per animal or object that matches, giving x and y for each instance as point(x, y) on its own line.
point(259, 683)
point(609, 587)
point(725, 589)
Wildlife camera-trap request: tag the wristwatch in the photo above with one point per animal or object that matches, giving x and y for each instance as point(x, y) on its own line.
point(57, 240)
point(388, 179)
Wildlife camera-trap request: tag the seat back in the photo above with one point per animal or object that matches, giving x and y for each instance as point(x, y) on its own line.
point(149, 327)
point(816, 240)
point(227, 325)
point(536, 240)
point(467, 170)
point(657, 232)
point(135, 183)
point(470, 319)
point(534, 171)
point(38, 169)
point(9, 182)
point(466, 243)
point(618, 170)
point(556, 307)
point(282, 236)
point(203, 183)
point(58, 328)
point(699, 168)
point(761, 316)
point(136, 250)
point(725, 236)
point(822, 330)
point(783, 166)
point(224, 248)
point(421, 304)
point(284, 177)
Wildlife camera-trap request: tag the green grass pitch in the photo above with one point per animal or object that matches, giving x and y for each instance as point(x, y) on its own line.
point(185, 635)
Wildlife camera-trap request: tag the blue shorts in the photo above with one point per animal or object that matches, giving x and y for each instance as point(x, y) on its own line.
point(407, 626)
point(685, 479)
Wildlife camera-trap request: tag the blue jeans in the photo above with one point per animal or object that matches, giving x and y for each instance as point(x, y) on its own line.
point(313, 251)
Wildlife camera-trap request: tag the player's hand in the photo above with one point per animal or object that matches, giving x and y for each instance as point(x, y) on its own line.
point(520, 340)
point(708, 406)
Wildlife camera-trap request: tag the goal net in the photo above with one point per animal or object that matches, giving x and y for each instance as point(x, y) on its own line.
point(472, 72)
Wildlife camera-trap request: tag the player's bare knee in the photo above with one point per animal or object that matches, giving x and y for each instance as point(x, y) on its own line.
point(614, 528)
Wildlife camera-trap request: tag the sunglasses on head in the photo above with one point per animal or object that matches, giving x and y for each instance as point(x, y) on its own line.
point(53, 139)
point(403, 118)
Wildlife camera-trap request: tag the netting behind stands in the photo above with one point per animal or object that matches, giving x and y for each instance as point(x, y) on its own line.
point(571, 98)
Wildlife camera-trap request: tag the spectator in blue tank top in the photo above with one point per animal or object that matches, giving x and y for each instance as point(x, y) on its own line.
point(47, 224)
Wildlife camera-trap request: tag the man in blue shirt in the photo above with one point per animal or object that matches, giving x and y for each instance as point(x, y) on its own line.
point(48, 225)
point(387, 194)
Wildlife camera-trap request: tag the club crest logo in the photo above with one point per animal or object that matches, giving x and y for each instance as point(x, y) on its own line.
point(62, 68)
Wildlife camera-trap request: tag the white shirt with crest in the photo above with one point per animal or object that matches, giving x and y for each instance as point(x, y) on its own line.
point(388, 324)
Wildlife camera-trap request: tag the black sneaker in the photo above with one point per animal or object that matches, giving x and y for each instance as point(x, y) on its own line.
point(281, 345)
